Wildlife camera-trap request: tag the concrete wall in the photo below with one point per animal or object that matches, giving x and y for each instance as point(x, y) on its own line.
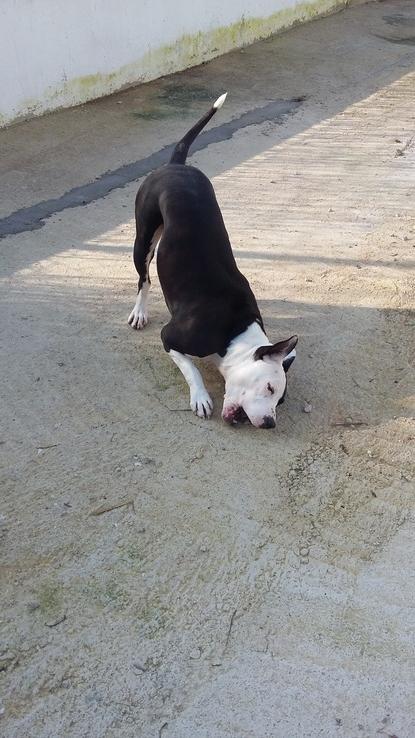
point(56, 53)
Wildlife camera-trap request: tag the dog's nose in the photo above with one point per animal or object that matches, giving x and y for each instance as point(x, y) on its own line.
point(268, 422)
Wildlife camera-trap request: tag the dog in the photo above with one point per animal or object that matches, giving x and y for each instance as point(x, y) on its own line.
point(213, 310)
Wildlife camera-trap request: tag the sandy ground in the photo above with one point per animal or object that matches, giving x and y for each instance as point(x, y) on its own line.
point(255, 584)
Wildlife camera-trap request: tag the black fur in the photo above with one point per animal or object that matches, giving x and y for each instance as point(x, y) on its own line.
point(210, 301)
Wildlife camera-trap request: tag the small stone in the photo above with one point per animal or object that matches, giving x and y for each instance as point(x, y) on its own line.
point(307, 407)
point(195, 654)
point(32, 606)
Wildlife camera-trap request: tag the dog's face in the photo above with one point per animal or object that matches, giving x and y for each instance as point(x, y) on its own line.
point(255, 389)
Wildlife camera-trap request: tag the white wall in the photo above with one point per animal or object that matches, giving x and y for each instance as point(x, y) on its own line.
point(57, 53)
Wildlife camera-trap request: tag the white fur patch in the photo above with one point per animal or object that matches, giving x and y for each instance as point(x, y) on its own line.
point(254, 386)
point(138, 317)
point(219, 102)
point(200, 401)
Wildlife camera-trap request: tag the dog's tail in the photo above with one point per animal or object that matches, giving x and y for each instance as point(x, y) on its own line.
point(182, 148)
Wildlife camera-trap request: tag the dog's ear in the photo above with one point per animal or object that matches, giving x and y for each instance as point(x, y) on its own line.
point(280, 349)
point(287, 362)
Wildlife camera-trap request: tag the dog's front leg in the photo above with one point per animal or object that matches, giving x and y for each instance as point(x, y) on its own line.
point(200, 401)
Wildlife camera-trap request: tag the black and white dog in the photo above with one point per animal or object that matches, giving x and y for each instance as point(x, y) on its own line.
point(213, 310)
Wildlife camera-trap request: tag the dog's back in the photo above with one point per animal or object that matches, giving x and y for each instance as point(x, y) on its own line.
point(210, 301)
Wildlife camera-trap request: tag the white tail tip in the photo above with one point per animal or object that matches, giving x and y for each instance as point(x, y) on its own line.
point(219, 102)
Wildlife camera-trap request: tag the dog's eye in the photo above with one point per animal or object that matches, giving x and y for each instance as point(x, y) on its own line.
point(270, 389)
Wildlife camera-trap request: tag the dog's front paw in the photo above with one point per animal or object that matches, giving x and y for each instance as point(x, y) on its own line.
point(138, 318)
point(201, 403)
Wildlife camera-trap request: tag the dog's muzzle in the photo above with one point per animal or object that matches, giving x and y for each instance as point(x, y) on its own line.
point(234, 415)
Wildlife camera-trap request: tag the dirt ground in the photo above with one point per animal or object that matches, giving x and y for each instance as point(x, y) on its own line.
point(167, 576)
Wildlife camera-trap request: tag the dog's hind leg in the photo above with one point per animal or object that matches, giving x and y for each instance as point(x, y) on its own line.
point(145, 245)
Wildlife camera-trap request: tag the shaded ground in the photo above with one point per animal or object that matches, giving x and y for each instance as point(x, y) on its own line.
point(256, 584)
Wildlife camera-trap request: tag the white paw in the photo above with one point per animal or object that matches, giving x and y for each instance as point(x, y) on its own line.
point(138, 318)
point(201, 403)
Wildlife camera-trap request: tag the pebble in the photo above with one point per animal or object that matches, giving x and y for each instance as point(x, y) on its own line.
point(307, 407)
point(195, 654)
point(139, 666)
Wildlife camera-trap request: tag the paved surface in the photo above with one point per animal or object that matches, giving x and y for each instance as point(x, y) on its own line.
point(253, 584)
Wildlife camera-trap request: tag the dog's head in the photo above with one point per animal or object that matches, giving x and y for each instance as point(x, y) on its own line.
point(254, 389)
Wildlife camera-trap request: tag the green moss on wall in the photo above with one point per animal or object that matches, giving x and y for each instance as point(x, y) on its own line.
point(187, 51)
